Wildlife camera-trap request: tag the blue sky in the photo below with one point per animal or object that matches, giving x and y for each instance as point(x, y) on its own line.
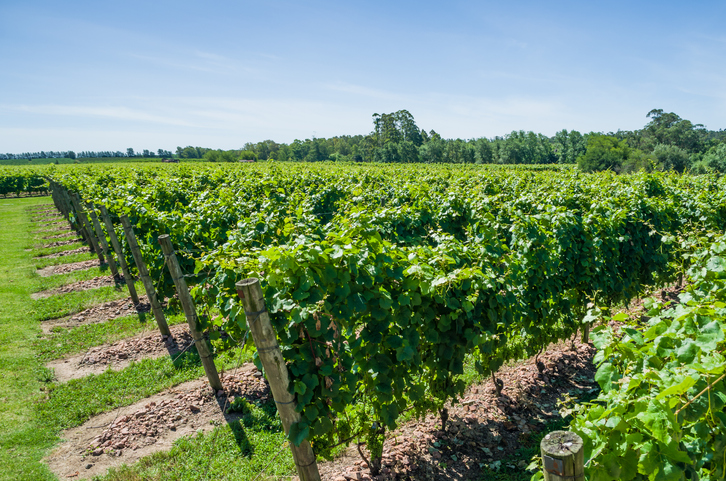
point(115, 74)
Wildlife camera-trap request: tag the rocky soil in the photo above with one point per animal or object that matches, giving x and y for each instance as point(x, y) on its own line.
point(483, 429)
point(59, 236)
point(120, 354)
point(66, 268)
point(94, 283)
point(130, 433)
point(61, 243)
point(101, 313)
point(80, 250)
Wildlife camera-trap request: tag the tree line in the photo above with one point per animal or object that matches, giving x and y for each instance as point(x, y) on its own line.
point(666, 142)
point(86, 154)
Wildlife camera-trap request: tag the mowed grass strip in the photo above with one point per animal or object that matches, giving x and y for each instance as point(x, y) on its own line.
point(24, 440)
point(69, 259)
point(56, 249)
point(240, 450)
point(33, 410)
point(63, 341)
point(58, 280)
point(55, 307)
point(71, 404)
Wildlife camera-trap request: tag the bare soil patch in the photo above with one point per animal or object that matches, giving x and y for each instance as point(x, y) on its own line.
point(120, 354)
point(483, 427)
point(66, 268)
point(80, 250)
point(45, 217)
point(62, 243)
point(61, 235)
point(101, 313)
point(127, 434)
point(59, 228)
point(77, 287)
point(52, 223)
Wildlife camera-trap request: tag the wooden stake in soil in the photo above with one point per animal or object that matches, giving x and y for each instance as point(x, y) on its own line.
point(258, 321)
point(76, 223)
point(89, 230)
point(144, 275)
point(104, 244)
point(120, 255)
point(563, 456)
point(190, 312)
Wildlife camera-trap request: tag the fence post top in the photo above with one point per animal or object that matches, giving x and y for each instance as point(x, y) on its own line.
point(163, 237)
point(247, 282)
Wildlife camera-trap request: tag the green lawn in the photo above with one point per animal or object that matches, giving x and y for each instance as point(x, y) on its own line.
point(34, 409)
point(24, 441)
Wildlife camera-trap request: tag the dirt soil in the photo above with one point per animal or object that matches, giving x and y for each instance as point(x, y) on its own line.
point(120, 354)
point(127, 434)
point(80, 250)
point(61, 243)
point(52, 223)
point(46, 216)
point(60, 228)
point(100, 313)
point(66, 268)
point(59, 236)
point(95, 283)
point(483, 427)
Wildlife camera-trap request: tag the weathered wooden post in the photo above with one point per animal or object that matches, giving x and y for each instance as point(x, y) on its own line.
point(563, 456)
point(144, 275)
point(104, 244)
point(120, 254)
point(76, 224)
point(190, 312)
point(87, 225)
point(258, 322)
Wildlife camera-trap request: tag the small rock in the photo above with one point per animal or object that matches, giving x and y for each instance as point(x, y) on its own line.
point(89, 466)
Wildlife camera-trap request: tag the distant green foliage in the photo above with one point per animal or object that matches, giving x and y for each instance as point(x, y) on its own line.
point(220, 156)
point(190, 152)
point(247, 155)
point(713, 161)
point(604, 152)
point(672, 157)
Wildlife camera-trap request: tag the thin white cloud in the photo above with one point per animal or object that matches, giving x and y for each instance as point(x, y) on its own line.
point(118, 113)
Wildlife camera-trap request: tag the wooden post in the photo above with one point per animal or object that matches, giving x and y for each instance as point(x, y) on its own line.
point(144, 275)
point(66, 200)
point(563, 457)
point(258, 321)
point(104, 244)
point(76, 224)
point(586, 334)
point(55, 195)
point(89, 230)
point(120, 254)
point(190, 312)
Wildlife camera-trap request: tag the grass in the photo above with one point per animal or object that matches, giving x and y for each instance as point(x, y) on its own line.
point(64, 305)
point(33, 410)
point(62, 342)
point(58, 280)
point(69, 259)
point(239, 450)
point(55, 250)
point(24, 440)
point(71, 404)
